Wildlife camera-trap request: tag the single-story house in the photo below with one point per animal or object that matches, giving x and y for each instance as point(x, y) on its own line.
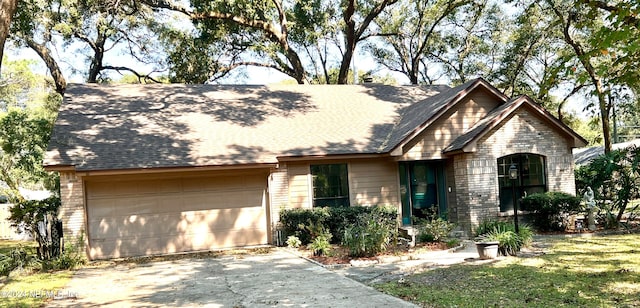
point(154, 169)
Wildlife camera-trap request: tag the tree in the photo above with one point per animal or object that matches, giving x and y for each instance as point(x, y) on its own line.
point(26, 120)
point(264, 24)
point(536, 61)
point(618, 36)
point(580, 29)
point(615, 179)
point(7, 10)
point(354, 32)
point(412, 28)
point(103, 27)
point(471, 43)
point(277, 32)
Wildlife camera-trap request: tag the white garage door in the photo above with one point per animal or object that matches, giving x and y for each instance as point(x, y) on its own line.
point(134, 216)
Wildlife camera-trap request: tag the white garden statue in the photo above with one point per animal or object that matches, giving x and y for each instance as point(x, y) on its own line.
point(589, 199)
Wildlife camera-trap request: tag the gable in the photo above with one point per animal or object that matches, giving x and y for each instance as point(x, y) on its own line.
point(455, 122)
point(524, 132)
point(467, 142)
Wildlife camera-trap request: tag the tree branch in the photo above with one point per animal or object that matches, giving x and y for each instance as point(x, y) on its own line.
point(124, 68)
point(52, 65)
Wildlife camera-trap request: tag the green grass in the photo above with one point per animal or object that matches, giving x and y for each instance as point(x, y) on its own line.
point(29, 288)
point(600, 271)
point(7, 246)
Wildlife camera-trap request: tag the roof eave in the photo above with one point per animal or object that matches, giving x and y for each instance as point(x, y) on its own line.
point(397, 150)
point(290, 158)
point(250, 166)
point(577, 140)
point(59, 168)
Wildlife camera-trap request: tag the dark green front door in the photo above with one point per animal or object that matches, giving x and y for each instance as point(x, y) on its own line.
point(422, 187)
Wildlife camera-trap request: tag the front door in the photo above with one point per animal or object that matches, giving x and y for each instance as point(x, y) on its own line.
point(422, 185)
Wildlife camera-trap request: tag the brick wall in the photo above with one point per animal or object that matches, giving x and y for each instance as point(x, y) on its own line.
point(72, 211)
point(476, 175)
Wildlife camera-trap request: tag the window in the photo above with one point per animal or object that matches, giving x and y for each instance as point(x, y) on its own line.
point(330, 185)
point(531, 178)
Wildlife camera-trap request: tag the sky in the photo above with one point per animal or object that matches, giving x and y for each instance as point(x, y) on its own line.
point(72, 70)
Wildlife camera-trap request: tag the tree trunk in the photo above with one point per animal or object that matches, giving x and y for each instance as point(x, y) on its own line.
point(7, 10)
point(52, 65)
point(413, 73)
point(350, 41)
point(596, 80)
point(298, 69)
point(604, 117)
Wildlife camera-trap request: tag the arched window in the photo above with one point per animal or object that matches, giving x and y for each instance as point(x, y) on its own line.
point(532, 178)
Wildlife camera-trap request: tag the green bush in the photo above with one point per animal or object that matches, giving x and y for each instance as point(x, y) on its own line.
point(434, 230)
point(17, 258)
point(342, 217)
point(370, 234)
point(510, 242)
point(488, 225)
point(293, 241)
point(335, 220)
point(295, 222)
point(72, 256)
point(320, 244)
point(549, 209)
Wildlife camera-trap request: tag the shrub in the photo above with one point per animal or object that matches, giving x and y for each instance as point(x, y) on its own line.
point(510, 242)
point(334, 220)
point(370, 234)
point(342, 217)
point(17, 258)
point(434, 230)
point(615, 180)
point(295, 222)
point(320, 244)
point(293, 241)
point(548, 209)
point(488, 225)
point(72, 256)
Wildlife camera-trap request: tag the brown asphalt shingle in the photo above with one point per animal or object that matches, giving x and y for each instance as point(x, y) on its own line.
point(103, 127)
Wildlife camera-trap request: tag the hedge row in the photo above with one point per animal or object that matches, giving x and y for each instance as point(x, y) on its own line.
point(334, 219)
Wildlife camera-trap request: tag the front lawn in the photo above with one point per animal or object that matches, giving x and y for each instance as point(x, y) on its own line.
point(28, 288)
point(598, 271)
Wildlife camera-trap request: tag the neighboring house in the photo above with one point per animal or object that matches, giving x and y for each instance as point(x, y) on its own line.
point(152, 169)
point(584, 155)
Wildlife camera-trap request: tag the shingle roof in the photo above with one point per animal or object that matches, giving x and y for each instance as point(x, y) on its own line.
point(585, 155)
point(103, 127)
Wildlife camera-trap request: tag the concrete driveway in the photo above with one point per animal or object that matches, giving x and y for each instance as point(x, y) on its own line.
point(275, 279)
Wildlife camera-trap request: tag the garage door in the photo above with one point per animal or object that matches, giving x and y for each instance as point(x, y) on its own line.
point(129, 216)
